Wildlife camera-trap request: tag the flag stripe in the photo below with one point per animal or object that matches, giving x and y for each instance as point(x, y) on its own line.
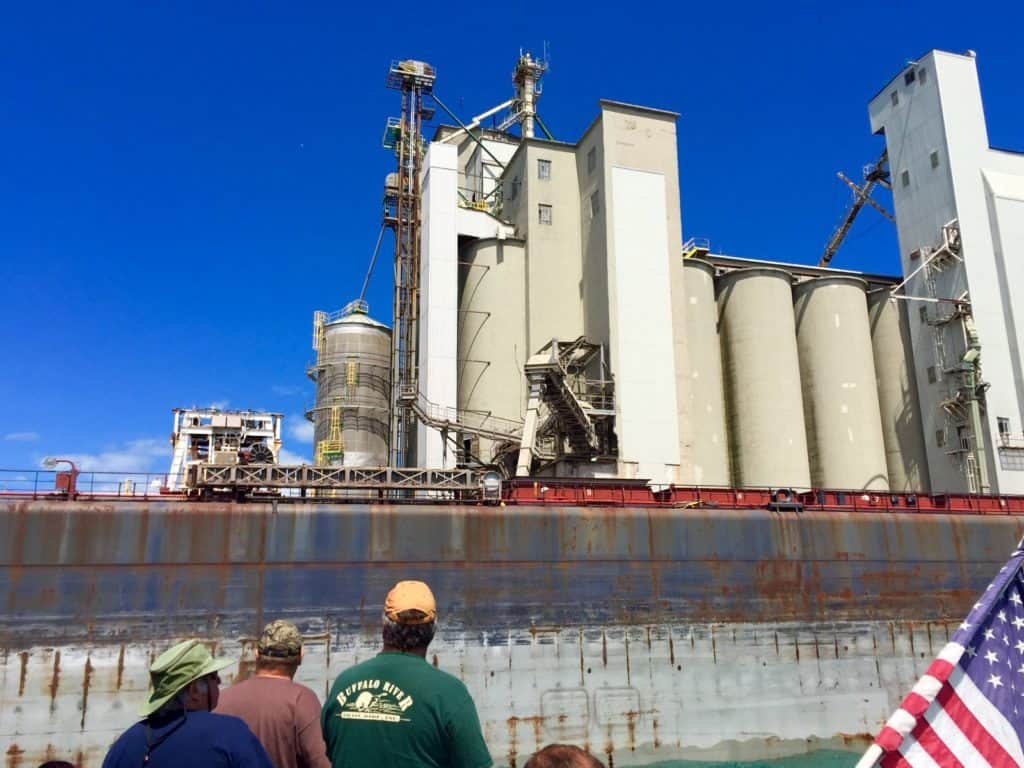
point(916, 756)
point(984, 742)
point(953, 737)
point(986, 712)
point(932, 743)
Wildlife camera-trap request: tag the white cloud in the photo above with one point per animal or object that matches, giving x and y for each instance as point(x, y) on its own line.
point(290, 458)
point(141, 455)
point(299, 429)
point(220, 405)
point(22, 437)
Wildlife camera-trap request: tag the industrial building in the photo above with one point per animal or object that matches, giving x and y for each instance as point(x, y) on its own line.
point(548, 321)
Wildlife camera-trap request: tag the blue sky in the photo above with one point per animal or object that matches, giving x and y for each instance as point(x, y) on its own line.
point(182, 184)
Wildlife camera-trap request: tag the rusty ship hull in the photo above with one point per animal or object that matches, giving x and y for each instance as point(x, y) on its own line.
point(649, 634)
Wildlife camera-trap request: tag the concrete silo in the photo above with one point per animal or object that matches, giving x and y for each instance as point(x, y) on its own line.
point(491, 334)
point(762, 379)
point(353, 390)
point(837, 369)
point(709, 432)
point(900, 408)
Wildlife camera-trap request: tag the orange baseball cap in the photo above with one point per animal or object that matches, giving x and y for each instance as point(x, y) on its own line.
point(410, 596)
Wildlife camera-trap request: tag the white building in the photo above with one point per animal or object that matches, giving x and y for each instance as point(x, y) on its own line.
point(967, 346)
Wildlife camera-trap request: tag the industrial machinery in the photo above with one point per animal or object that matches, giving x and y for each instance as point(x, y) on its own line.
point(215, 436)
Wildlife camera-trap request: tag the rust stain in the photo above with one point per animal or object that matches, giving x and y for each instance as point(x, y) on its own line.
point(14, 753)
point(86, 679)
point(512, 723)
point(654, 733)
point(671, 649)
point(24, 672)
point(55, 681)
point(120, 667)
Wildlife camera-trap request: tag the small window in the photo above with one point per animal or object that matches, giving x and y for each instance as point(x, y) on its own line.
point(922, 76)
point(940, 437)
point(544, 169)
point(544, 213)
point(908, 77)
point(923, 312)
point(905, 179)
point(1004, 429)
point(595, 204)
point(934, 159)
point(895, 98)
point(963, 438)
point(592, 160)
point(933, 375)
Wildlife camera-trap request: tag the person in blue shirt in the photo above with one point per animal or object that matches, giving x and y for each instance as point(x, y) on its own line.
point(178, 727)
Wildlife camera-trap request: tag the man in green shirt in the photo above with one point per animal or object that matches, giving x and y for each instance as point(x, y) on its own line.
point(398, 710)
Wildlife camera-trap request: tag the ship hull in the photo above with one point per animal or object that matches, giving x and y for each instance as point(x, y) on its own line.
point(649, 634)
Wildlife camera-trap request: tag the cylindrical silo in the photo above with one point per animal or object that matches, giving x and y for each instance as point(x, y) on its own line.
point(837, 369)
point(491, 337)
point(762, 379)
point(353, 392)
point(709, 433)
point(902, 428)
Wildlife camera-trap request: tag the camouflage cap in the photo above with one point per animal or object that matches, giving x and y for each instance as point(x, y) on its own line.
point(280, 640)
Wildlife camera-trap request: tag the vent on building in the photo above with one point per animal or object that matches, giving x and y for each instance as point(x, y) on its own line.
point(905, 178)
point(934, 158)
point(895, 98)
point(940, 437)
point(923, 312)
point(933, 376)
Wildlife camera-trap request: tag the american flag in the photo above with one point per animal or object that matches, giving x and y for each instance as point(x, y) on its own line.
point(968, 708)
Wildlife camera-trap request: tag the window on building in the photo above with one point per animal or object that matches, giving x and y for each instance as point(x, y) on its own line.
point(908, 77)
point(940, 437)
point(922, 76)
point(592, 160)
point(595, 203)
point(544, 213)
point(963, 438)
point(895, 98)
point(905, 178)
point(1004, 429)
point(923, 312)
point(933, 375)
point(544, 169)
point(934, 158)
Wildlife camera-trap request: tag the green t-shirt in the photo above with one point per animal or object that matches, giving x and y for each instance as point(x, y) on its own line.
point(398, 710)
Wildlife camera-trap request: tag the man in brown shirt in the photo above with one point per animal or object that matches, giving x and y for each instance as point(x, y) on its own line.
point(284, 715)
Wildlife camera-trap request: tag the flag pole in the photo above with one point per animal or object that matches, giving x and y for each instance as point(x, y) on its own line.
point(870, 758)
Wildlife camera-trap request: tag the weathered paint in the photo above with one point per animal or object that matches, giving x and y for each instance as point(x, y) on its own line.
point(648, 634)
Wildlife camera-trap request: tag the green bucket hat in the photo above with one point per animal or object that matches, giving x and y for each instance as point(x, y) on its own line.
point(175, 668)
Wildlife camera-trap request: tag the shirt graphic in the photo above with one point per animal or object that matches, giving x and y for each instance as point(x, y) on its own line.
point(377, 700)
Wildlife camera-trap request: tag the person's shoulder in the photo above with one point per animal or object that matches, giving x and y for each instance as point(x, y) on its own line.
point(123, 742)
point(219, 723)
point(439, 677)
